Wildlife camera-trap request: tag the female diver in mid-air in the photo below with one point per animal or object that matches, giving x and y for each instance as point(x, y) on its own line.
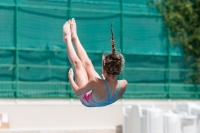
point(89, 87)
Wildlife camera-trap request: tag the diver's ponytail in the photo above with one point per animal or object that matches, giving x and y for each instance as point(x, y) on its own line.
point(112, 42)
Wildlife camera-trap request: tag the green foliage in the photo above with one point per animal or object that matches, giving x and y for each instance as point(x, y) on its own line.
point(182, 18)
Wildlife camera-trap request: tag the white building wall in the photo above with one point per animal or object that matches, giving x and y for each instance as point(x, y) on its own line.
point(67, 115)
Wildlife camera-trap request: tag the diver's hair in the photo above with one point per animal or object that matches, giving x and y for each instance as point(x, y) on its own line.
point(113, 63)
point(112, 42)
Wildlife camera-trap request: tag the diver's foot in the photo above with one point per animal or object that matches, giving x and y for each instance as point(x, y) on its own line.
point(66, 31)
point(73, 29)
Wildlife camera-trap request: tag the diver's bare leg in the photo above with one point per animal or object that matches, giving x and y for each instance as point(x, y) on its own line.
point(80, 72)
point(82, 53)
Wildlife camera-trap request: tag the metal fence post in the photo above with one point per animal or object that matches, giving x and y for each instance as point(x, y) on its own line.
point(16, 49)
point(169, 66)
point(121, 31)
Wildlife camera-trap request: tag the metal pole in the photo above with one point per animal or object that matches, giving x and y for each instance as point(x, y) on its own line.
point(16, 49)
point(169, 66)
point(70, 9)
point(122, 31)
point(70, 16)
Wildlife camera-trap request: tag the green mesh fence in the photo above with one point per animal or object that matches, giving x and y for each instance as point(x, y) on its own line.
point(33, 59)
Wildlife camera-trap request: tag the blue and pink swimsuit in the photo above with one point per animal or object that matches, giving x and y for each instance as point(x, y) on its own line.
point(88, 100)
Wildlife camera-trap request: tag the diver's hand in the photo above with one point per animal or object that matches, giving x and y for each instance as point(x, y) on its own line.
point(71, 73)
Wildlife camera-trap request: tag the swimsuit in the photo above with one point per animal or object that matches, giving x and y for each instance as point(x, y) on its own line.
point(88, 100)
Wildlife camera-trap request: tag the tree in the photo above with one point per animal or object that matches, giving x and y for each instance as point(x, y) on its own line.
point(182, 18)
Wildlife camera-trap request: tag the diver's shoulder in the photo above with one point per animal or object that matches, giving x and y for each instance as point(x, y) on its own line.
point(123, 83)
